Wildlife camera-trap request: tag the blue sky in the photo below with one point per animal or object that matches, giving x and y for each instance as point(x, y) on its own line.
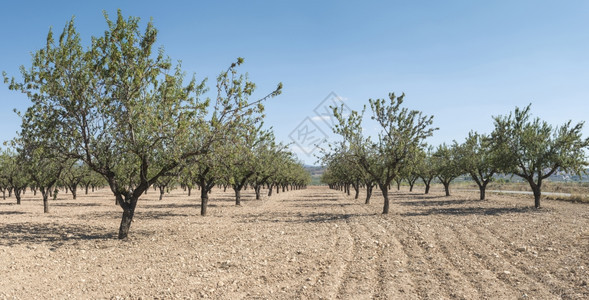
point(461, 61)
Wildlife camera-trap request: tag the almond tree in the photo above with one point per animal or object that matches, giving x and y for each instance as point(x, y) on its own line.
point(269, 157)
point(163, 183)
point(446, 164)
point(534, 150)
point(479, 157)
point(126, 109)
point(4, 164)
point(402, 134)
point(343, 171)
point(91, 179)
point(73, 176)
point(426, 169)
point(206, 171)
point(43, 164)
point(14, 174)
point(242, 163)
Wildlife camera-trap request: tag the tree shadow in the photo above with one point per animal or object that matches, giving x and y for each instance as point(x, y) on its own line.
point(12, 213)
point(315, 199)
point(437, 202)
point(55, 234)
point(486, 211)
point(426, 196)
point(176, 205)
point(304, 205)
point(159, 215)
point(299, 218)
point(75, 204)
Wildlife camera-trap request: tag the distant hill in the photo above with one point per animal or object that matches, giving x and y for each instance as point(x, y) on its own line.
point(316, 173)
point(315, 170)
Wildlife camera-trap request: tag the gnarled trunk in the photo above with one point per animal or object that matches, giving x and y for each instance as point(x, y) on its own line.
point(45, 194)
point(162, 190)
point(204, 201)
point(74, 190)
point(368, 193)
point(237, 196)
point(537, 190)
point(482, 189)
point(17, 195)
point(385, 195)
point(128, 206)
point(446, 188)
point(257, 188)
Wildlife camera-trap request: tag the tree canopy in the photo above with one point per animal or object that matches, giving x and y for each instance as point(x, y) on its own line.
point(534, 150)
point(121, 106)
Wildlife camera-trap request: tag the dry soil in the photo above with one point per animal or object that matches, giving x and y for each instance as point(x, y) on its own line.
point(308, 244)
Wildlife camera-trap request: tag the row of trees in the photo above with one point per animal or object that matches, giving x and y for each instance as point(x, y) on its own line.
point(270, 168)
point(519, 145)
point(18, 174)
point(121, 108)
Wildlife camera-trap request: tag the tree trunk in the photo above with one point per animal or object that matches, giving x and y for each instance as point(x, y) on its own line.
point(237, 196)
point(128, 206)
point(257, 188)
point(10, 193)
point(45, 201)
point(427, 188)
point(162, 190)
point(385, 194)
point(204, 201)
point(446, 188)
point(482, 189)
point(368, 193)
point(537, 194)
point(189, 190)
point(126, 223)
point(74, 190)
point(270, 189)
point(86, 188)
point(17, 195)
point(357, 190)
point(537, 190)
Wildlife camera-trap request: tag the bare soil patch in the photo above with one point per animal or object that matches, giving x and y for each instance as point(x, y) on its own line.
point(309, 244)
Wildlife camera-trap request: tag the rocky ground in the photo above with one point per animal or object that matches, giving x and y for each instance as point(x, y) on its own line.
point(308, 244)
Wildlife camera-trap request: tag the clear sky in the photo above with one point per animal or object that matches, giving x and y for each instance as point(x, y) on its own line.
point(461, 61)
